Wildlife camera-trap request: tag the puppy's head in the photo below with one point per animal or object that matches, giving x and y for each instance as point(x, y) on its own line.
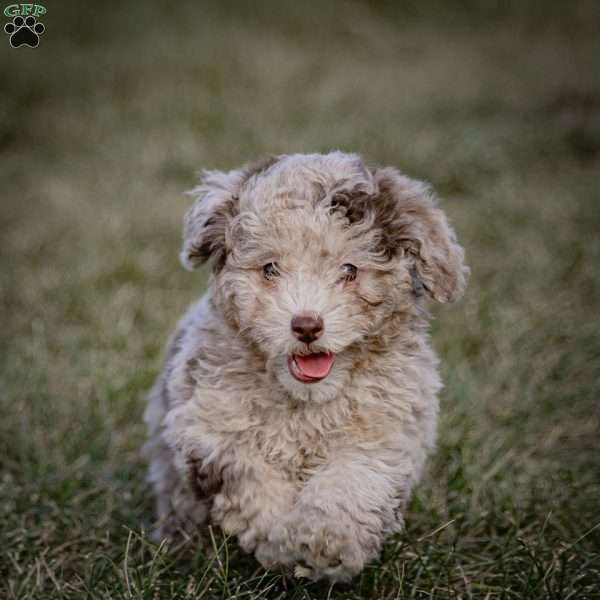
point(319, 261)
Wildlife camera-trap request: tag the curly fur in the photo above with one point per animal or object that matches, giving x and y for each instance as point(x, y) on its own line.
point(313, 477)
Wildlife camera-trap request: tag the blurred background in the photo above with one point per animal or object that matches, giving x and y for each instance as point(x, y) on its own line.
point(103, 127)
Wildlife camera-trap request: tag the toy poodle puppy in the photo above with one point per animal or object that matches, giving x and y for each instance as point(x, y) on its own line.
point(298, 399)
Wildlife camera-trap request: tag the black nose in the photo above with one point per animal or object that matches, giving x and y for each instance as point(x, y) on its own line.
point(307, 328)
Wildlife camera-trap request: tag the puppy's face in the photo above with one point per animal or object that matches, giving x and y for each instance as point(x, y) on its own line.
point(307, 290)
point(319, 261)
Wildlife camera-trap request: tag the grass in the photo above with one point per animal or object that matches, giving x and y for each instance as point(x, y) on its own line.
point(102, 128)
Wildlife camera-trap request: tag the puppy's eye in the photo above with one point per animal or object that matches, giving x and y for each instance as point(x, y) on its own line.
point(270, 271)
point(349, 272)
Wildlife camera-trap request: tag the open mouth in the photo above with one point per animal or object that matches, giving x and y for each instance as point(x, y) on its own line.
point(310, 368)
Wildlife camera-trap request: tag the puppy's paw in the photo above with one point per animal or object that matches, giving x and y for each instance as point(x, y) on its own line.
point(328, 548)
point(319, 545)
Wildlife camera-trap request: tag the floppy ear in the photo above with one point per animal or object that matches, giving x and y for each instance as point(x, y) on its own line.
point(411, 223)
point(206, 222)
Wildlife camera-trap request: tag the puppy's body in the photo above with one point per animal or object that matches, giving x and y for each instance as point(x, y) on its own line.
point(310, 476)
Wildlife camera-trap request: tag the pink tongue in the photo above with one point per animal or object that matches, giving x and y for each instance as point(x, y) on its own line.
point(315, 365)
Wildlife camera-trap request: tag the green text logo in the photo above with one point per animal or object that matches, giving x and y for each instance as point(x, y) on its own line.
point(22, 10)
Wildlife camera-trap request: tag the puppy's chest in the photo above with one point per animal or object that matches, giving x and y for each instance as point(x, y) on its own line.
point(296, 443)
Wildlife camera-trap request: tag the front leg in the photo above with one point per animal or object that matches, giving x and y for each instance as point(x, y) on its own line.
point(248, 496)
point(254, 497)
point(344, 512)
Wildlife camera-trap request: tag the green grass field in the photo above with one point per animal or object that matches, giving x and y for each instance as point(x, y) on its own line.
point(102, 128)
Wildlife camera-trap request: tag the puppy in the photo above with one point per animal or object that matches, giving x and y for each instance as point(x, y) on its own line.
point(298, 399)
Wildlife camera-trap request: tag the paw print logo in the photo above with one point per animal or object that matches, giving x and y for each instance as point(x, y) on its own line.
point(24, 32)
